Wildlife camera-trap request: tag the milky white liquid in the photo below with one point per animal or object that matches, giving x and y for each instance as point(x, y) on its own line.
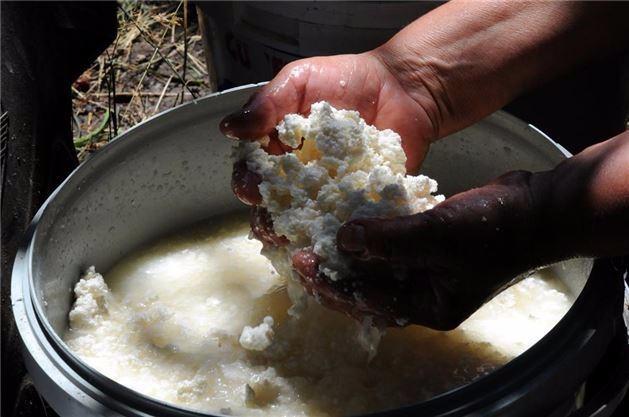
point(176, 310)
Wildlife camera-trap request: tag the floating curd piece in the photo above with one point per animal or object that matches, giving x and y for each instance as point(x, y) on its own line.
point(91, 300)
point(259, 337)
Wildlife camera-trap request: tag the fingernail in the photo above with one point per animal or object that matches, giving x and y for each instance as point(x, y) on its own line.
point(240, 123)
point(227, 124)
point(351, 238)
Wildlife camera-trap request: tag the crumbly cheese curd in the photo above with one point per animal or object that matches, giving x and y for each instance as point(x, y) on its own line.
point(258, 337)
point(341, 169)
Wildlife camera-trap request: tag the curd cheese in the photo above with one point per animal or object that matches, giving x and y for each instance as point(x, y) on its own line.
point(259, 337)
point(91, 295)
point(341, 169)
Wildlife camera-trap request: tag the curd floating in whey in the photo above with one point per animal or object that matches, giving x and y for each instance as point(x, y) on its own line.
point(343, 169)
point(200, 320)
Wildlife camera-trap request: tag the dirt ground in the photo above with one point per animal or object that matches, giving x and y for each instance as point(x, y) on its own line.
point(156, 62)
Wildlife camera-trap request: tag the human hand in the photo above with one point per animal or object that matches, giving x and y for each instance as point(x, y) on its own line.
point(436, 268)
point(357, 82)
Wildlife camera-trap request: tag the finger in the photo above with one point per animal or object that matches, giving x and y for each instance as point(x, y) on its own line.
point(335, 296)
point(421, 297)
point(354, 297)
point(266, 108)
point(470, 222)
point(306, 263)
point(399, 239)
point(253, 121)
point(262, 228)
point(274, 146)
point(245, 184)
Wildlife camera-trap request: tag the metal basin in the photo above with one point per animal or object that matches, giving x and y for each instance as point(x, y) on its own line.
point(174, 170)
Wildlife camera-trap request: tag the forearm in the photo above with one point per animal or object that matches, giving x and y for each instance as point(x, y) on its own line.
point(465, 60)
point(587, 201)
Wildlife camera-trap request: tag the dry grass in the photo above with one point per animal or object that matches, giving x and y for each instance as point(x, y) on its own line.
point(155, 63)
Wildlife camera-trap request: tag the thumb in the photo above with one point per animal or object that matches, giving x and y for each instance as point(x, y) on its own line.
point(394, 239)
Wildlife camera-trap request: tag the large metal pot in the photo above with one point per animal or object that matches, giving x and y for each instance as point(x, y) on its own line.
point(174, 170)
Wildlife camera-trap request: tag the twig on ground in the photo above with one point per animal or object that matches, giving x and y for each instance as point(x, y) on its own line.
point(124, 94)
point(161, 96)
point(82, 97)
point(111, 89)
point(185, 46)
point(146, 70)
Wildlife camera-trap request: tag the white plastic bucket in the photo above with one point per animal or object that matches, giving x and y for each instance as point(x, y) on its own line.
point(252, 41)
